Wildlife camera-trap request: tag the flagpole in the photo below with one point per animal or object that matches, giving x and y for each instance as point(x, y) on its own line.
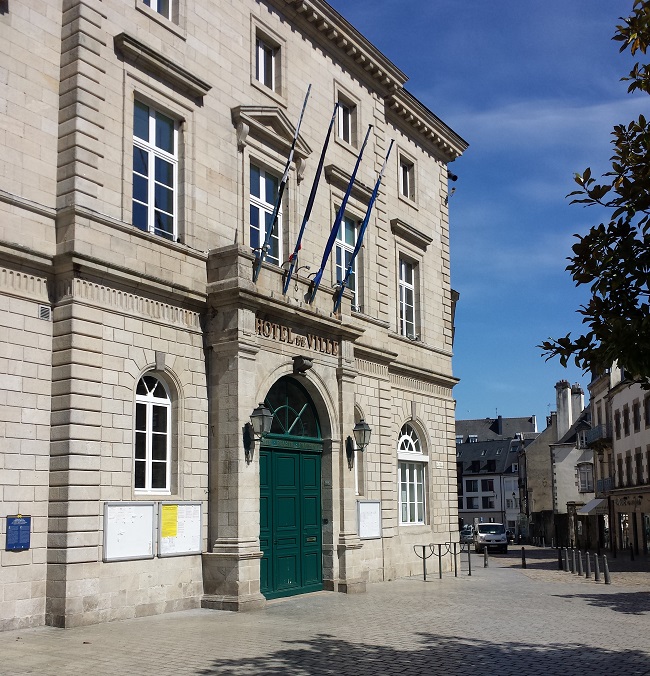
point(310, 203)
point(337, 223)
point(262, 251)
point(362, 232)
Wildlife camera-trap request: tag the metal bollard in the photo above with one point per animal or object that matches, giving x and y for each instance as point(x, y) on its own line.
point(573, 560)
point(544, 542)
point(566, 560)
point(606, 570)
point(587, 566)
point(631, 552)
point(424, 564)
point(559, 559)
point(469, 560)
point(596, 569)
point(523, 557)
point(455, 562)
point(485, 558)
point(440, 562)
point(580, 570)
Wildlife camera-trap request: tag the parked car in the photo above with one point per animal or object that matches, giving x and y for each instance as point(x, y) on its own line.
point(467, 535)
point(492, 536)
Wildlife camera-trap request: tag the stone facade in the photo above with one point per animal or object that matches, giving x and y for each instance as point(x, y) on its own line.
point(91, 304)
point(620, 439)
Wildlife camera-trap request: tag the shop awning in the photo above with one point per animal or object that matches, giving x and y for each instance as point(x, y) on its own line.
point(597, 506)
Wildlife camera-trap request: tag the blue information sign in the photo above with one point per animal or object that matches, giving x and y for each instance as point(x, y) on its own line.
point(18, 532)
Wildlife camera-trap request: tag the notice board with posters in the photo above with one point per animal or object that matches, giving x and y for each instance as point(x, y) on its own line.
point(179, 528)
point(369, 519)
point(128, 530)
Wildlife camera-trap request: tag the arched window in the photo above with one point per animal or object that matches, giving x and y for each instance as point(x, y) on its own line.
point(153, 413)
point(411, 467)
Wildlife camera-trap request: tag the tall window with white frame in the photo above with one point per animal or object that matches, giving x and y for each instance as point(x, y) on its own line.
point(346, 121)
point(345, 242)
point(407, 178)
point(263, 194)
point(412, 464)
point(155, 172)
point(153, 414)
point(407, 299)
point(266, 62)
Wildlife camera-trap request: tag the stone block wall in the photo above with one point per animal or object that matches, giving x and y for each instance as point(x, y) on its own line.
point(25, 377)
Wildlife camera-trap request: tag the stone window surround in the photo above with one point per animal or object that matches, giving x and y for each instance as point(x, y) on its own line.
point(344, 96)
point(136, 90)
point(419, 461)
point(262, 32)
point(172, 436)
point(153, 152)
point(405, 159)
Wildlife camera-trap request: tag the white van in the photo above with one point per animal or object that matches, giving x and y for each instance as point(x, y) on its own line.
point(492, 536)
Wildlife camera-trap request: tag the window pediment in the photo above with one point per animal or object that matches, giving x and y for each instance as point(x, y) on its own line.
point(149, 59)
point(410, 234)
point(341, 179)
point(270, 125)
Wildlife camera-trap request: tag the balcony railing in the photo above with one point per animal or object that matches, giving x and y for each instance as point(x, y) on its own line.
point(598, 433)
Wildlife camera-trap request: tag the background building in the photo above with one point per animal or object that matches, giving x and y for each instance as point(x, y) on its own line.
point(487, 463)
point(143, 145)
point(557, 474)
point(620, 440)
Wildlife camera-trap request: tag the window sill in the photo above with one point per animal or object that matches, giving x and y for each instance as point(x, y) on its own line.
point(267, 91)
point(161, 20)
point(412, 203)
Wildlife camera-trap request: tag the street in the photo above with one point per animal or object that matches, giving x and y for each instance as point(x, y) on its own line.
point(500, 621)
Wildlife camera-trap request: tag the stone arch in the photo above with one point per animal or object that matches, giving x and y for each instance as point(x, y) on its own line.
point(316, 388)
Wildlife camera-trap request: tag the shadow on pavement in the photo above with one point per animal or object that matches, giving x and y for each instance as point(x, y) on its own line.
point(630, 603)
point(324, 654)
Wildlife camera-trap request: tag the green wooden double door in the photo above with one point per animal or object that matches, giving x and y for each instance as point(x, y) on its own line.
point(290, 522)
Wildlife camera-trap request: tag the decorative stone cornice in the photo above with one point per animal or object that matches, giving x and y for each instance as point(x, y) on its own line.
point(271, 125)
point(410, 234)
point(149, 59)
point(127, 303)
point(408, 110)
point(24, 285)
point(319, 19)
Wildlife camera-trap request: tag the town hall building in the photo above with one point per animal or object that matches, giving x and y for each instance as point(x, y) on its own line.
point(184, 423)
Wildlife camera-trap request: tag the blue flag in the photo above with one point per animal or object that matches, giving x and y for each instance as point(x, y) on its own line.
point(310, 203)
point(337, 222)
point(260, 253)
point(362, 232)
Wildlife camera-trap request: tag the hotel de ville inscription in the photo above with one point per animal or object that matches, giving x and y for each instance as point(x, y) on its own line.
point(285, 334)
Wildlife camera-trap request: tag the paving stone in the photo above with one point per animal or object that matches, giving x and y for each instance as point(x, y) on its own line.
point(501, 621)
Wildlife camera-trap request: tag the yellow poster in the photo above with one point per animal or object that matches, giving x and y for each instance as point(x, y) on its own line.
point(169, 527)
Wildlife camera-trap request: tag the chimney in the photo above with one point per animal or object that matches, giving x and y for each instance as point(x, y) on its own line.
point(563, 406)
point(577, 400)
point(500, 426)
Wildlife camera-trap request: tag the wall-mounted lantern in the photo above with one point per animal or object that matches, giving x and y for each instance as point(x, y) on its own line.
point(257, 428)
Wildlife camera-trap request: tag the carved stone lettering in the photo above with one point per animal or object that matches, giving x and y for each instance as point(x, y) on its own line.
point(285, 334)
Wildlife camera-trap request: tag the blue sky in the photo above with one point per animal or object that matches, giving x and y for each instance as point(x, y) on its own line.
point(534, 87)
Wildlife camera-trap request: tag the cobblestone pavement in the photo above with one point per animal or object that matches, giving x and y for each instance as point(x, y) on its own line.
point(501, 621)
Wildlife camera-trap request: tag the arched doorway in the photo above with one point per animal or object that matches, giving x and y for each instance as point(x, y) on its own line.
point(290, 494)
